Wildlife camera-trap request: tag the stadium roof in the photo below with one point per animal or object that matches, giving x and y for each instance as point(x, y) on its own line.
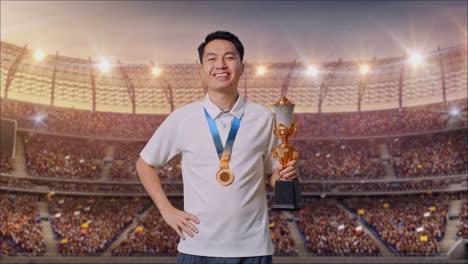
point(392, 82)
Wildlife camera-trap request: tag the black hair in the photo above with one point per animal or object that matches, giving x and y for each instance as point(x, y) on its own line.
point(225, 35)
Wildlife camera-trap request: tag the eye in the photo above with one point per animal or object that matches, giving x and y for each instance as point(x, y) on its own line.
point(211, 59)
point(230, 58)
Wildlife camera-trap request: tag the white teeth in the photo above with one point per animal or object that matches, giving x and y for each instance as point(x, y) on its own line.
point(221, 75)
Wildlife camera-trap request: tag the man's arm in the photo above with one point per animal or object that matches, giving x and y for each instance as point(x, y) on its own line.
point(177, 219)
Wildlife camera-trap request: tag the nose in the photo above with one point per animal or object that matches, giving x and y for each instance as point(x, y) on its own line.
point(220, 63)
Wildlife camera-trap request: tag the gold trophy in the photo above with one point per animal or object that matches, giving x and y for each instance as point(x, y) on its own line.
point(287, 195)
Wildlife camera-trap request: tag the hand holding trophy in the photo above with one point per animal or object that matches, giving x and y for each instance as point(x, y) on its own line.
point(287, 195)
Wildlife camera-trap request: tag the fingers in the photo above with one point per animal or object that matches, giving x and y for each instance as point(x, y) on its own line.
point(186, 229)
point(181, 223)
point(290, 163)
point(178, 231)
point(289, 176)
point(190, 225)
point(278, 166)
point(290, 172)
point(193, 218)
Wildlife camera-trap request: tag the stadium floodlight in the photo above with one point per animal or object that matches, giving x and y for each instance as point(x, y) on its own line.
point(104, 66)
point(261, 70)
point(155, 71)
point(416, 59)
point(454, 111)
point(39, 55)
point(364, 69)
point(312, 70)
point(39, 118)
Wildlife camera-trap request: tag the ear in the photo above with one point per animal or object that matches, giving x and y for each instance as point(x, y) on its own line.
point(242, 70)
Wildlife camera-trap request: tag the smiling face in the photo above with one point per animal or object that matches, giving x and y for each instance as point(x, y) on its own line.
point(222, 66)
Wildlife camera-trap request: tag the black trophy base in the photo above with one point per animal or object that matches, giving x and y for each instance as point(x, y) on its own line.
point(287, 196)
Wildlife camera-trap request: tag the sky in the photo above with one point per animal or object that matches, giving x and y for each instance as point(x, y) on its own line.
point(169, 32)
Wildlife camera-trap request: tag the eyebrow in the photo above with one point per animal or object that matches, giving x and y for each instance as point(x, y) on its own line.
point(214, 54)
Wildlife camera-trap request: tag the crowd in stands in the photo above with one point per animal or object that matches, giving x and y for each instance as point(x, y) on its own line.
point(169, 188)
point(6, 249)
point(327, 229)
point(50, 156)
point(13, 182)
point(391, 186)
point(430, 155)
point(171, 170)
point(283, 242)
point(370, 123)
point(80, 122)
point(6, 164)
point(408, 225)
point(359, 187)
point(85, 226)
point(463, 219)
point(330, 231)
point(316, 187)
point(123, 171)
point(97, 187)
point(176, 188)
point(334, 160)
point(20, 227)
point(385, 122)
point(152, 236)
point(425, 155)
point(88, 225)
point(369, 187)
point(125, 157)
point(87, 187)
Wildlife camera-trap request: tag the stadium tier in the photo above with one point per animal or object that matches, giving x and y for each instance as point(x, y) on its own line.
point(62, 81)
point(409, 225)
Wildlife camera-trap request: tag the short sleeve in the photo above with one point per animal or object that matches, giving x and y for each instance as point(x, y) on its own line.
point(268, 160)
point(162, 146)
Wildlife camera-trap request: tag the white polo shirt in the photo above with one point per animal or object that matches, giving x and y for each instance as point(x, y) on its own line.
point(233, 218)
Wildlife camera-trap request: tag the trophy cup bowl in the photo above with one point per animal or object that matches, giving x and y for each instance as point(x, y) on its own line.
point(287, 196)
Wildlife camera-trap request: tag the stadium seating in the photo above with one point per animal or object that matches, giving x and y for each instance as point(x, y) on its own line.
point(430, 155)
point(463, 220)
point(408, 225)
point(88, 225)
point(330, 231)
point(49, 156)
point(6, 165)
point(20, 228)
point(151, 237)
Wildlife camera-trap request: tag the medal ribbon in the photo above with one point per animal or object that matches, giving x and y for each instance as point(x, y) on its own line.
point(224, 154)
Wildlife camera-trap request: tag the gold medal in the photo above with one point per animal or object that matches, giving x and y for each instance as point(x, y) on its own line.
point(225, 177)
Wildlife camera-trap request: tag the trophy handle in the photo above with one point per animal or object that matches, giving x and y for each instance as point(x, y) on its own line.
point(295, 155)
point(293, 128)
point(274, 154)
point(274, 124)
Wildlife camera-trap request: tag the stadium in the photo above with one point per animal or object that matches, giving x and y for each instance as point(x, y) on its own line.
point(383, 157)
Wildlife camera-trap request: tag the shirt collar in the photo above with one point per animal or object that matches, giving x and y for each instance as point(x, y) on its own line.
point(214, 111)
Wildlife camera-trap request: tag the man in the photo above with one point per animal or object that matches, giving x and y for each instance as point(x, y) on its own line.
point(225, 210)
